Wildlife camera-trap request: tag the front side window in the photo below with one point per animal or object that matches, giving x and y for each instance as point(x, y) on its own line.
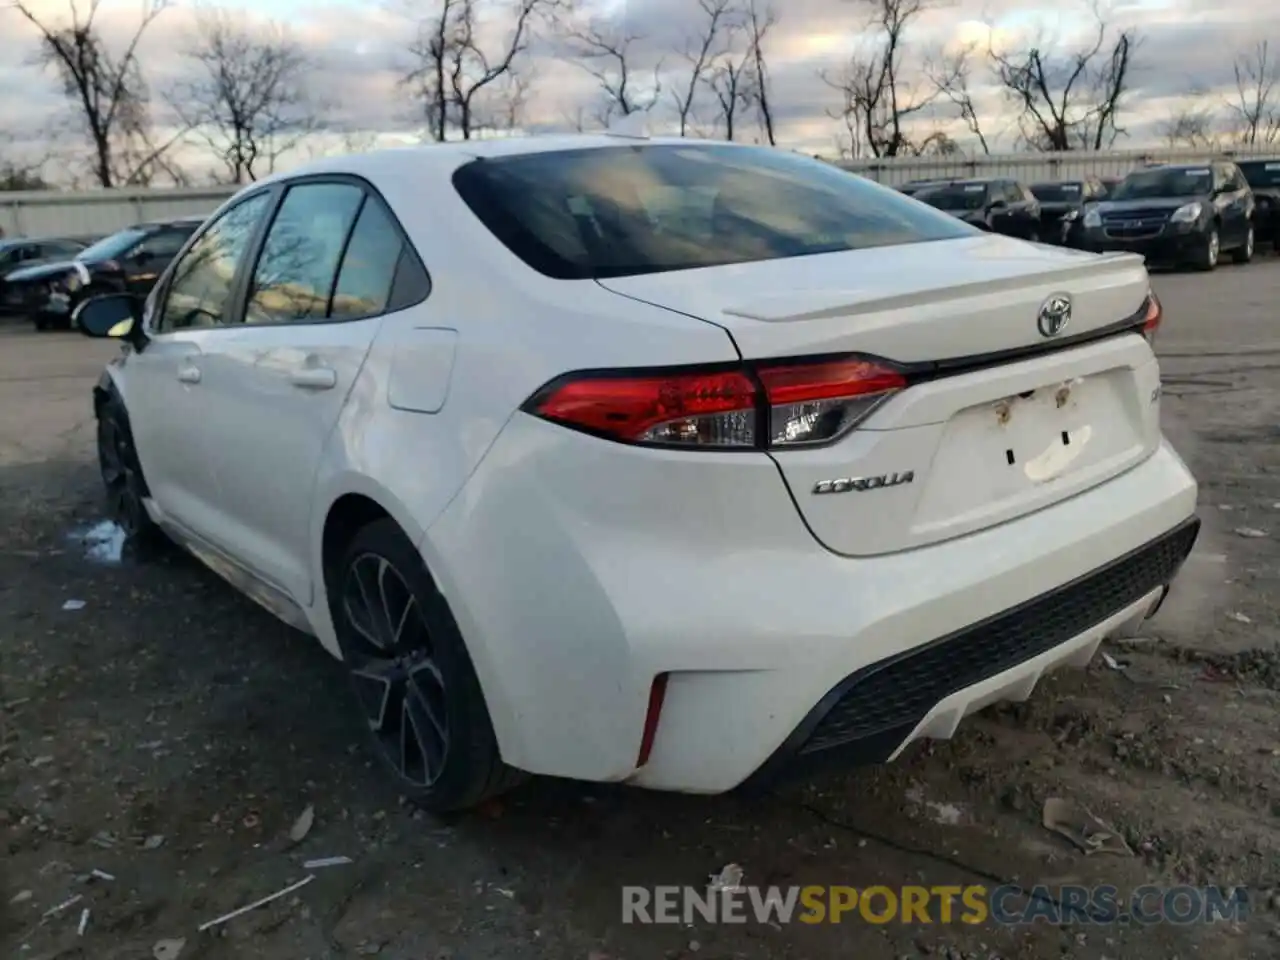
point(199, 294)
point(1261, 173)
point(623, 211)
point(164, 243)
point(295, 273)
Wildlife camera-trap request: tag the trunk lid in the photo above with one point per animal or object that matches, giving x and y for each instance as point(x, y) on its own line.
point(980, 439)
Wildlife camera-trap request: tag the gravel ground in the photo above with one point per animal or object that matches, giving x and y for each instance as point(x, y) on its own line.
point(169, 733)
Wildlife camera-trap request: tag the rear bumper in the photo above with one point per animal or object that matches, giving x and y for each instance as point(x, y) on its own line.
point(573, 595)
point(873, 714)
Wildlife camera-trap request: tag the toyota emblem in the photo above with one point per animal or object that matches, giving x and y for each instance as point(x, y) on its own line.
point(1055, 314)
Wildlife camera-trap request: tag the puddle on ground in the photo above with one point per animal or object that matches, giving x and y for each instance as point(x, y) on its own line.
point(103, 542)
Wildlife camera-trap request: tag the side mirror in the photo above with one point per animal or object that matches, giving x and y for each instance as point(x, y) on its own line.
point(113, 315)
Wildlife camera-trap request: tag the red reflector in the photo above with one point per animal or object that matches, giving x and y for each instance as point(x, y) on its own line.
point(1155, 313)
point(806, 382)
point(627, 407)
point(657, 693)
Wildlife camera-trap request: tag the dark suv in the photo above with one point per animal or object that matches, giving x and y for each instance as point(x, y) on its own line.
point(1000, 206)
point(129, 261)
point(1062, 205)
point(1263, 177)
point(1176, 214)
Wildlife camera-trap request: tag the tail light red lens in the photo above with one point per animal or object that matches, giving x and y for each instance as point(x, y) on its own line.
point(1155, 314)
point(765, 405)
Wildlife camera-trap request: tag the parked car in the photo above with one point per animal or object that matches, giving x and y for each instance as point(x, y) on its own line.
point(576, 489)
point(1263, 177)
point(127, 261)
point(19, 252)
point(1176, 214)
point(1062, 204)
point(913, 187)
point(1000, 206)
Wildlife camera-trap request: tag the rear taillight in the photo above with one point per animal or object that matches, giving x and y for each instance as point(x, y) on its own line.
point(1151, 322)
point(776, 404)
point(815, 402)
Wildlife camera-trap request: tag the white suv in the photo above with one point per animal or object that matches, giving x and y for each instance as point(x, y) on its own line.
point(654, 461)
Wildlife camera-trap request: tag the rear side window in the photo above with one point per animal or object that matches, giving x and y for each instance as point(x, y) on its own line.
point(623, 211)
point(369, 266)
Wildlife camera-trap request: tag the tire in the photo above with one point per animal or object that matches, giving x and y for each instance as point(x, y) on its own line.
point(413, 684)
point(1208, 259)
point(1244, 253)
point(41, 322)
point(122, 478)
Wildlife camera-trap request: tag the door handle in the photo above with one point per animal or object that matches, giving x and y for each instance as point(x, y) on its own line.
point(189, 373)
point(314, 378)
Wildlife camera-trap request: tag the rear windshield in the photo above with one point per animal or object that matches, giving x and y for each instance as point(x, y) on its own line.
point(956, 196)
point(1058, 192)
point(1264, 173)
point(1164, 182)
point(623, 211)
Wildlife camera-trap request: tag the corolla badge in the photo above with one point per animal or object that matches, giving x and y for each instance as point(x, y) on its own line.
point(861, 484)
point(1055, 315)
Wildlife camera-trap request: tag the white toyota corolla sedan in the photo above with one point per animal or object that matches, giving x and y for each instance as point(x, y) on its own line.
point(658, 461)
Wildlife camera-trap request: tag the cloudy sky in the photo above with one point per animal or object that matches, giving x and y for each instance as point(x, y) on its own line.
point(359, 51)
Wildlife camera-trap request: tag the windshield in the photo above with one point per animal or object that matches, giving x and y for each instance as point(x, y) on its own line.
point(957, 196)
point(623, 211)
point(116, 245)
point(1058, 192)
point(1260, 173)
point(1164, 182)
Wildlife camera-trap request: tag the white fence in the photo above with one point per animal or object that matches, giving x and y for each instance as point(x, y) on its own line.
point(1034, 167)
point(99, 212)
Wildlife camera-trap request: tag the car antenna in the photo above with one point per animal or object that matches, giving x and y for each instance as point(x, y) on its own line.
point(630, 126)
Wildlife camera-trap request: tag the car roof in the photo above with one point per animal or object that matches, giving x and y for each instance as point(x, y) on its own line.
point(970, 181)
point(444, 158)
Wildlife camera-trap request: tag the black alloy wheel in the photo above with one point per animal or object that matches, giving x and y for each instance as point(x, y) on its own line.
point(122, 476)
point(399, 686)
point(415, 688)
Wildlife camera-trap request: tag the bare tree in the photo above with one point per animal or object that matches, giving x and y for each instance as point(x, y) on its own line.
point(952, 74)
point(246, 94)
point(937, 144)
point(1191, 124)
point(732, 80)
point(455, 67)
point(20, 174)
point(760, 20)
point(107, 89)
point(1072, 99)
point(701, 52)
point(606, 53)
point(874, 93)
point(1255, 111)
